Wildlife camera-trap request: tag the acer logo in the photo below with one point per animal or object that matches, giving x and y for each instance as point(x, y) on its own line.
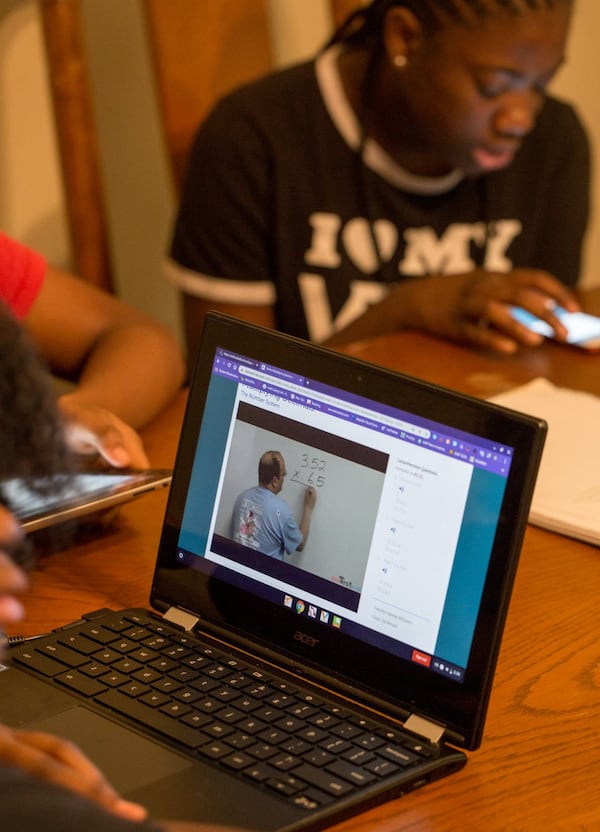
point(304, 638)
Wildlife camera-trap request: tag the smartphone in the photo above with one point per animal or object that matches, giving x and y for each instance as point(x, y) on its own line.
point(583, 330)
point(80, 494)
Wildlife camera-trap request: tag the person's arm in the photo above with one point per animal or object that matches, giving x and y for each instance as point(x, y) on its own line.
point(221, 251)
point(470, 308)
point(310, 498)
point(51, 760)
point(47, 783)
point(195, 310)
point(126, 366)
point(57, 761)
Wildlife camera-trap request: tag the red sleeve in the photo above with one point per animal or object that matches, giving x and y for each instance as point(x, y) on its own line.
point(22, 273)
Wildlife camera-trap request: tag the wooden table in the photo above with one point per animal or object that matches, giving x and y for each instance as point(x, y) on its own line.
point(539, 765)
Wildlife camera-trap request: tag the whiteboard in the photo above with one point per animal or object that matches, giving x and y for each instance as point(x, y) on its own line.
point(346, 507)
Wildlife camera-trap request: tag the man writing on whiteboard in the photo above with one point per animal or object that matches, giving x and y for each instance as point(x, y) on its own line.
point(262, 520)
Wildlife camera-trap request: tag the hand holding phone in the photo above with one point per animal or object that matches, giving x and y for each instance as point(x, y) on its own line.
point(583, 330)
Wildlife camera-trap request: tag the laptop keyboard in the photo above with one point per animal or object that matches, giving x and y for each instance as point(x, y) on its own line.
point(284, 737)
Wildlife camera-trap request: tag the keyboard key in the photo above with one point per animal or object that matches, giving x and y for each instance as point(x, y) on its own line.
point(369, 741)
point(262, 751)
point(195, 719)
point(175, 709)
point(285, 762)
point(313, 735)
point(260, 772)
point(291, 724)
point(38, 661)
point(359, 756)
point(163, 665)
point(62, 654)
point(78, 682)
point(79, 643)
point(382, 768)
point(94, 669)
point(240, 740)
point(218, 730)
point(318, 757)
point(420, 748)
point(214, 750)
point(134, 688)
point(155, 699)
point(147, 675)
point(285, 785)
point(137, 633)
point(323, 779)
point(123, 645)
point(106, 656)
point(99, 634)
point(237, 761)
point(144, 655)
point(127, 665)
point(400, 756)
point(354, 774)
point(114, 679)
point(295, 745)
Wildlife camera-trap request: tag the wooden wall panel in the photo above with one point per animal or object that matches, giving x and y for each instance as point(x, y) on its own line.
point(77, 140)
point(202, 49)
point(342, 8)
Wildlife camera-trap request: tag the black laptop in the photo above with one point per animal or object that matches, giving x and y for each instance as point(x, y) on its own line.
point(287, 691)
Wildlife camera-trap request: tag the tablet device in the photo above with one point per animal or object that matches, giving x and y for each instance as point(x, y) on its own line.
point(83, 493)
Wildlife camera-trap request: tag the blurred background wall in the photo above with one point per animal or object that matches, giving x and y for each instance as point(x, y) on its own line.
point(138, 184)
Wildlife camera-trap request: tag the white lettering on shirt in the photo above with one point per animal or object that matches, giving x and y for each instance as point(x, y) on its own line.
point(424, 253)
point(317, 309)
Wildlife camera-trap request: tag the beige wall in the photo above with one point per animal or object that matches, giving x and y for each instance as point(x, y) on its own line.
point(577, 82)
point(30, 187)
point(140, 200)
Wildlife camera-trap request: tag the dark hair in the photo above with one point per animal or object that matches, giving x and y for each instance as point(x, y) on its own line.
point(269, 467)
point(31, 433)
point(32, 445)
point(364, 26)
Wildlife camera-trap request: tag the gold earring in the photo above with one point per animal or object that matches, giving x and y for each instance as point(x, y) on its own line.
point(399, 61)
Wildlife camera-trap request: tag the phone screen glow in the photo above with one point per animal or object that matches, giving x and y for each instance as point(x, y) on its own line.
point(580, 326)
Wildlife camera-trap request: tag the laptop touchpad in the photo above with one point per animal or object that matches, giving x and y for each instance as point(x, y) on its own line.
point(165, 782)
point(131, 760)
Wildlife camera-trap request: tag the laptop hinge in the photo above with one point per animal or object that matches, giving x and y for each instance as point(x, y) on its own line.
point(181, 618)
point(432, 731)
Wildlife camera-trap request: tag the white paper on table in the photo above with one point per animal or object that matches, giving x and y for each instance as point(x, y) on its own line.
point(566, 498)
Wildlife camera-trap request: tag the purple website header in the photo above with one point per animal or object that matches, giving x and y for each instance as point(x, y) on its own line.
point(266, 378)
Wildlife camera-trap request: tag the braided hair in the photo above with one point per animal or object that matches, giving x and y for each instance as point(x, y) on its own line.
point(364, 26)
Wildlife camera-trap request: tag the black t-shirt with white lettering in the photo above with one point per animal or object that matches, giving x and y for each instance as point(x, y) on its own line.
point(279, 208)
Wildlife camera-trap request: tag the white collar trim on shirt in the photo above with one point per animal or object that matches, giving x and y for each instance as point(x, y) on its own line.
point(374, 156)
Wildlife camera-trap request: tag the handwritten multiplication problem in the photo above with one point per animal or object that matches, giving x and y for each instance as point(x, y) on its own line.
point(311, 471)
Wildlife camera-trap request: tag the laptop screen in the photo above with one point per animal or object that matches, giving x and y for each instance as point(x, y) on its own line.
point(347, 522)
point(404, 518)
